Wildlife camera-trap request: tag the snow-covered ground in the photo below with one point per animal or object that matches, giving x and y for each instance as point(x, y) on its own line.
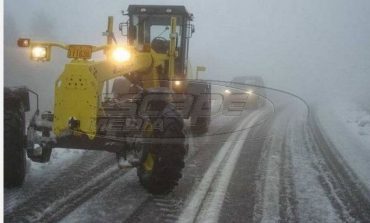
point(347, 126)
point(39, 174)
point(60, 158)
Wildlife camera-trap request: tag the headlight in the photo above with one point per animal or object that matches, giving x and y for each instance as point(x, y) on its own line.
point(39, 53)
point(249, 92)
point(177, 83)
point(121, 55)
point(227, 91)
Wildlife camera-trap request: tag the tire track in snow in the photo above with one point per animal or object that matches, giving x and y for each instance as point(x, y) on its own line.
point(114, 203)
point(228, 154)
point(67, 181)
point(272, 187)
point(211, 210)
point(267, 204)
point(287, 200)
point(277, 199)
point(64, 206)
point(38, 175)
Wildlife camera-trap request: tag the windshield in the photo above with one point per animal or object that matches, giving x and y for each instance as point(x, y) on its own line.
point(151, 27)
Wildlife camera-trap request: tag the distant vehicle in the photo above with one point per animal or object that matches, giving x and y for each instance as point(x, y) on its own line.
point(253, 86)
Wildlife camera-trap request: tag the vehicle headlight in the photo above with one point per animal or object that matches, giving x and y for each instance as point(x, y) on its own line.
point(249, 92)
point(177, 83)
point(227, 91)
point(38, 52)
point(121, 54)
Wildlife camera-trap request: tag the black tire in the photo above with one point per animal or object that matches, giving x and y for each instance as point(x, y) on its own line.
point(168, 158)
point(14, 152)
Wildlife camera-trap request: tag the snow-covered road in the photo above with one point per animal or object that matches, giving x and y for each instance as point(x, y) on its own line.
point(274, 164)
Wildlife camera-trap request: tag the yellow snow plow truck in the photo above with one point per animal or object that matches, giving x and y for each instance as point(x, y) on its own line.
point(133, 102)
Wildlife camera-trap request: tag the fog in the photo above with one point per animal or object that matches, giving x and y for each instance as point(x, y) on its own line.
point(316, 49)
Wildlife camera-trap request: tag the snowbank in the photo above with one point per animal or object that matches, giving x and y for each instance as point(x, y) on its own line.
point(347, 125)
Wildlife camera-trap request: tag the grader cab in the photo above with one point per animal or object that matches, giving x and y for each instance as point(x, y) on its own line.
point(143, 122)
point(153, 28)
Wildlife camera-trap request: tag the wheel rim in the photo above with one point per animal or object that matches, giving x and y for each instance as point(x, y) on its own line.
point(149, 162)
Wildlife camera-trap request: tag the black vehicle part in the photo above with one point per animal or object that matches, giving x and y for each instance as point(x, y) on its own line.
point(16, 102)
point(161, 173)
point(38, 149)
point(44, 155)
point(160, 44)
